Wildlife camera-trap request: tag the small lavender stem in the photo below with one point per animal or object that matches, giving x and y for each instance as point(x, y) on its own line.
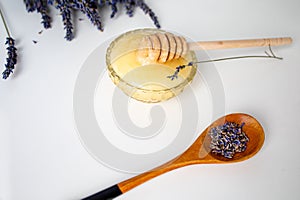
point(237, 57)
point(5, 25)
point(30, 7)
point(175, 75)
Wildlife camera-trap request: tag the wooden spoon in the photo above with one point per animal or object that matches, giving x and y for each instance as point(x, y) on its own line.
point(198, 153)
point(164, 47)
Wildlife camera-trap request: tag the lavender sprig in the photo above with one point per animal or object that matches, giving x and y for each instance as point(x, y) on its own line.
point(41, 7)
point(30, 6)
point(92, 13)
point(130, 5)
point(11, 59)
point(147, 10)
point(114, 8)
point(103, 3)
point(65, 10)
point(178, 68)
point(268, 55)
point(89, 7)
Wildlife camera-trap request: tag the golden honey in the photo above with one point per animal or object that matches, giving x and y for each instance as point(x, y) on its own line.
point(141, 79)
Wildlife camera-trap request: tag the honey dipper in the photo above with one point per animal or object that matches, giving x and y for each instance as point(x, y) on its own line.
point(164, 47)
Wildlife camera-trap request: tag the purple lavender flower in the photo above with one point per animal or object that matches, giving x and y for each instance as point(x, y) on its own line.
point(11, 60)
point(175, 75)
point(103, 3)
point(147, 10)
point(114, 8)
point(130, 5)
point(92, 13)
point(30, 6)
point(178, 68)
point(65, 10)
point(89, 7)
point(50, 2)
point(41, 7)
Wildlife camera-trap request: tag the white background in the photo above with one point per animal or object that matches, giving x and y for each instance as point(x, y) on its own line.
point(41, 156)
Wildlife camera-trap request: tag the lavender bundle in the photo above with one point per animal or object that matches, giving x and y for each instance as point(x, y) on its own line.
point(11, 59)
point(91, 8)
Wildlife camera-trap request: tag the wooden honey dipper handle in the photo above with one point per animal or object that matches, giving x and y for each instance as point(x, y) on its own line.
point(228, 44)
point(164, 47)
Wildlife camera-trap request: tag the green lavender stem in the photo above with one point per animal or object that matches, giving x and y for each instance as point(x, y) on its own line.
point(5, 25)
point(237, 57)
point(175, 75)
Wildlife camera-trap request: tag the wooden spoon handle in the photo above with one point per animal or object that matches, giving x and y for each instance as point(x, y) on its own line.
point(131, 183)
point(139, 179)
point(228, 44)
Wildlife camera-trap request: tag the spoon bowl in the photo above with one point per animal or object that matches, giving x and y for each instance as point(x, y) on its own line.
point(198, 153)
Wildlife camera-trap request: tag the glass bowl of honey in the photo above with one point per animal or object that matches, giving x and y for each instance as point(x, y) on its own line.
point(145, 80)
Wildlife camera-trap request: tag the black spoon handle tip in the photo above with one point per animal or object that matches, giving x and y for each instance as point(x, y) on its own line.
point(106, 194)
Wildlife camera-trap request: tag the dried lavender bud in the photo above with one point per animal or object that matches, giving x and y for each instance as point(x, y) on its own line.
point(114, 9)
point(103, 3)
point(30, 6)
point(41, 7)
point(89, 7)
point(65, 10)
point(11, 60)
point(50, 2)
point(175, 75)
point(130, 5)
point(147, 10)
point(77, 4)
point(228, 139)
point(92, 13)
